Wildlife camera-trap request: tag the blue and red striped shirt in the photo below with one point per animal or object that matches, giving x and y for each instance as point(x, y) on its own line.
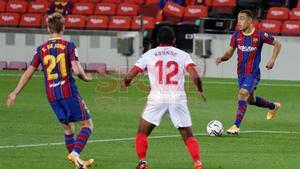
point(55, 56)
point(249, 51)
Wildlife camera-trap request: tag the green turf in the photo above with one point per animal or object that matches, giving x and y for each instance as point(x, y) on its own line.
point(116, 113)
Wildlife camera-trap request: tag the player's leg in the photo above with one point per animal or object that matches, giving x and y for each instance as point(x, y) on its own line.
point(69, 130)
point(192, 145)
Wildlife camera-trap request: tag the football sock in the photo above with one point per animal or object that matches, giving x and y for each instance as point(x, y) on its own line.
point(141, 145)
point(240, 112)
point(81, 139)
point(69, 141)
point(193, 148)
point(261, 102)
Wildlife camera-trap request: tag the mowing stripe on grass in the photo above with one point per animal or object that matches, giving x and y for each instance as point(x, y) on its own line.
point(133, 138)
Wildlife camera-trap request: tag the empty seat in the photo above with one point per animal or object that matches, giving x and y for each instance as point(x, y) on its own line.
point(82, 8)
point(2, 6)
point(75, 21)
point(112, 1)
point(31, 20)
point(97, 22)
point(38, 7)
point(91, 1)
point(255, 24)
point(126, 9)
point(151, 2)
point(281, 13)
point(3, 65)
point(9, 19)
point(140, 2)
point(148, 23)
point(270, 26)
point(16, 65)
point(173, 12)
point(224, 3)
point(120, 23)
point(106, 9)
point(16, 6)
point(295, 14)
point(194, 12)
point(291, 28)
point(96, 67)
point(149, 9)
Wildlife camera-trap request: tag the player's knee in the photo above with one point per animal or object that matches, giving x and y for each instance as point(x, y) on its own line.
point(251, 100)
point(244, 94)
point(87, 124)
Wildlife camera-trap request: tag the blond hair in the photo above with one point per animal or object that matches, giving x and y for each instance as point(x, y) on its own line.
point(56, 23)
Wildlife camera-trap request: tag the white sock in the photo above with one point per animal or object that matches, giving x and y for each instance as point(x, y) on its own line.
point(75, 154)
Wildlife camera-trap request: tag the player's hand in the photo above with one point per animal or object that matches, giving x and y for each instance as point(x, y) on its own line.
point(218, 60)
point(11, 99)
point(203, 96)
point(270, 64)
point(89, 77)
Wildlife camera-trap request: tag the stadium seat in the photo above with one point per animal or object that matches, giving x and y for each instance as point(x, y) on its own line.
point(151, 2)
point(298, 4)
point(90, 1)
point(194, 12)
point(295, 14)
point(105, 9)
point(112, 1)
point(148, 23)
point(75, 22)
point(3, 65)
point(31, 20)
point(281, 13)
point(9, 19)
point(173, 12)
point(38, 7)
point(120, 23)
point(150, 8)
point(140, 2)
point(82, 8)
point(270, 26)
point(291, 28)
point(224, 3)
point(97, 22)
point(126, 9)
point(2, 6)
point(184, 33)
point(221, 12)
point(255, 24)
point(16, 6)
point(96, 67)
point(16, 65)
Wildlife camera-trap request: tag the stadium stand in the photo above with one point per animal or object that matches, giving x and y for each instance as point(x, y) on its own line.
point(38, 7)
point(279, 13)
point(291, 28)
point(271, 26)
point(140, 2)
point(16, 65)
point(16, 6)
point(3, 65)
point(295, 14)
point(105, 9)
point(83, 8)
point(194, 12)
point(112, 1)
point(96, 67)
point(9, 19)
point(173, 12)
point(97, 22)
point(31, 20)
point(126, 9)
point(75, 22)
point(2, 6)
point(120, 23)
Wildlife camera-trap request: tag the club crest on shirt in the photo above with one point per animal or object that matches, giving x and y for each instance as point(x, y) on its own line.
point(255, 40)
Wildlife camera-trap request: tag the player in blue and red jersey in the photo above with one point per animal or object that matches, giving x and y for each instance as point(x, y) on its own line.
point(249, 42)
point(58, 58)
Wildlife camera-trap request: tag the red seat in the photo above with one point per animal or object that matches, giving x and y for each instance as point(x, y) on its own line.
point(128, 9)
point(298, 5)
point(16, 65)
point(150, 8)
point(112, 1)
point(120, 23)
point(270, 26)
point(193, 12)
point(9, 19)
point(82, 8)
point(291, 28)
point(148, 23)
point(224, 3)
point(16, 6)
point(3, 65)
point(90, 1)
point(140, 2)
point(38, 7)
point(97, 22)
point(151, 2)
point(2, 6)
point(106, 9)
point(281, 13)
point(255, 24)
point(295, 14)
point(173, 12)
point(75, 21)
point(31, 20)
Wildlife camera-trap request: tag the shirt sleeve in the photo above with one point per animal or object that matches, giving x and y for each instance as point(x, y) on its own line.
point(233, 40)
point(35, 60)
point(189, 62)
point(267, 38)
point(141, 64)
point(73, 52)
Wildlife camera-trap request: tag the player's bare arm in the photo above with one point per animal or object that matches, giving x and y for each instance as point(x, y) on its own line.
point(227, 55)
point(197, 81)
point(22, 83)
point(78, 70)
point(128, 77)
point(276, 51)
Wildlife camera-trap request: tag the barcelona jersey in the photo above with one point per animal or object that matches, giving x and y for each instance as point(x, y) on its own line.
point(55, 57)
point(249, 48)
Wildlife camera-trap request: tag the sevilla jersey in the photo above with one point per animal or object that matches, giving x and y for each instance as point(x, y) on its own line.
point(249, 51)
point(55, 56)
point(166, 66)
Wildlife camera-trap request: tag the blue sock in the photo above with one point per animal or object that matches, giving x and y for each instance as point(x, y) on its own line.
point(240, 112)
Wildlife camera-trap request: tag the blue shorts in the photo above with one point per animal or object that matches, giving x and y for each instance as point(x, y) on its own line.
point(249, 83)
point(72, 109)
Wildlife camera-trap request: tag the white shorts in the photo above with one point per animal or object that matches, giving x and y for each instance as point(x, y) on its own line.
point(179, 113)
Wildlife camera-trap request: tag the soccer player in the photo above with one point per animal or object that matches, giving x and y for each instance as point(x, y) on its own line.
point(58, 58)
point(166, 66)
point(249, 42)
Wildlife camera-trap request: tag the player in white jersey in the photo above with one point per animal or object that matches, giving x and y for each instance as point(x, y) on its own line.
point(166, 66)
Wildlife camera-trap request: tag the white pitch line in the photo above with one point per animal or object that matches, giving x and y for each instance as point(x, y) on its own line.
point(133, 138)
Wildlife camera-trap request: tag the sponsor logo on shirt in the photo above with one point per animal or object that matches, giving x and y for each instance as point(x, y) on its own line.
point(247, 48)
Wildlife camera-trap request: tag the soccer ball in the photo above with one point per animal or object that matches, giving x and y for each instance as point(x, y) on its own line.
point(215, 128)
